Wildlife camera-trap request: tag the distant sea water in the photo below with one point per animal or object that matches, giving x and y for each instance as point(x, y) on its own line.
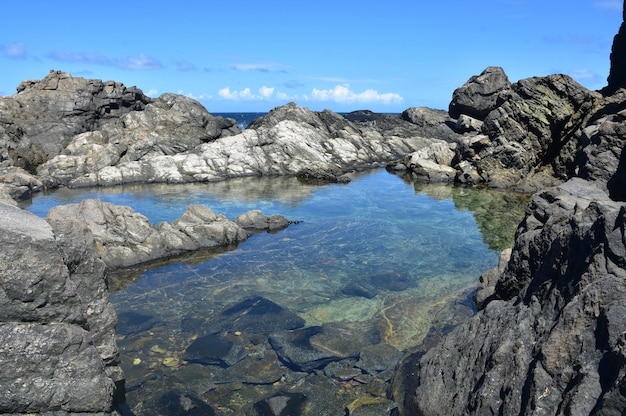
point(243, 119)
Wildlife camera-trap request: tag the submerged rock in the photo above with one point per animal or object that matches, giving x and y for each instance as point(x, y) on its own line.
point(258, 315)
point(281, 404)
point(213, 349)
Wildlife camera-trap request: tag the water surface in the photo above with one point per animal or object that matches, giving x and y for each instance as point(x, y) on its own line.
point(419, 246)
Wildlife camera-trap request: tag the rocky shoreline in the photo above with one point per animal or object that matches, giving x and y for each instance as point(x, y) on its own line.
point(549, 336)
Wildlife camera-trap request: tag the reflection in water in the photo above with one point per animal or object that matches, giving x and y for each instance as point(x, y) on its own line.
point(321, 310)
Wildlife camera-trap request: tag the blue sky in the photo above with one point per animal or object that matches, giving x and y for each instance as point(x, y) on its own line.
point(238, 55)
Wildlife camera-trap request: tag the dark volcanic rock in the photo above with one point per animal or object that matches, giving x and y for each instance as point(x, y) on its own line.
point(295, 350)
point(617, 74)
point(480, 94)
point(281, 404)
point(58, 351)
point(213, 349)
point(546, 344)
point(258, 315)
point(532, 138)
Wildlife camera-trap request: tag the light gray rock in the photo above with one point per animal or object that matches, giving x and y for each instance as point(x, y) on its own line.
point(124, 237)
point(286, 141)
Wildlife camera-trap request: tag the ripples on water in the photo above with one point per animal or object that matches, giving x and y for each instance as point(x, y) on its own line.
point(423, 248)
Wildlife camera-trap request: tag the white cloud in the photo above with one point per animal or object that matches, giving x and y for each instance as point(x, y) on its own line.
point(14, 50)
point(343, 94)
point(141, 61)
point(264, 93)
point(616, 5)
point(152, 92)
point(259, 67)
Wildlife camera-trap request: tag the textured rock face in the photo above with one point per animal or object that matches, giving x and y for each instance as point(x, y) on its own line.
point(480, 94)
point(85, 125)
point(41, 119)
point(617, 75)
point(124, 237)
point(284, 142)
point(528, 134)
point(550, 336)
point(58, 351)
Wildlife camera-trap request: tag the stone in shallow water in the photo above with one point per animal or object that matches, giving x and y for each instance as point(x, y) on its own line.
point(282, 404)
point(295, 350)
point(258, 315)
point(374, 359)
point(263, 368)
point(395, 280)
point(362, 289)
point(131, 323)
point(174, 403)
point(213, 349)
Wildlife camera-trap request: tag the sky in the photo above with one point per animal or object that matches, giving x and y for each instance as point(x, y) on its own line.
point(252, 56)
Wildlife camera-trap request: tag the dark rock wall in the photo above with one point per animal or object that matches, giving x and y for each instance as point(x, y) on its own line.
point(617, 74)
point(550, 338)
point(58, 351)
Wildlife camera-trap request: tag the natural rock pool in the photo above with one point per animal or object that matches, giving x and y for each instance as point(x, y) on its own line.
point(314, 316)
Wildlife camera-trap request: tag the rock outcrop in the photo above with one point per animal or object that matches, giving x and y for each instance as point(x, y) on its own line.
point(286, 141)
point(526, 135)
point(58, 350)
point(70, 131)
point(549, 336)
point(617, 74)
point(125, 238)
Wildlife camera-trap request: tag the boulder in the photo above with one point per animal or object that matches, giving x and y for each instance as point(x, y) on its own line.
point(254, 220)
point(481, 94)
point(124, 237)
point(430, 164)
point(58, 351)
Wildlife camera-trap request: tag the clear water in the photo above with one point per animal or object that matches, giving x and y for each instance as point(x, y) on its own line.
point(437, 239)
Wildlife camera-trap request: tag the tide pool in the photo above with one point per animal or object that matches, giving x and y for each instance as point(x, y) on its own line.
point(417, 249)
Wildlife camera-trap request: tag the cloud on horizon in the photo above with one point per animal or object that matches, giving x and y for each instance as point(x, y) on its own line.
point(340, 94)
point(343, 94)
point(137, 62)
point(246, 94)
